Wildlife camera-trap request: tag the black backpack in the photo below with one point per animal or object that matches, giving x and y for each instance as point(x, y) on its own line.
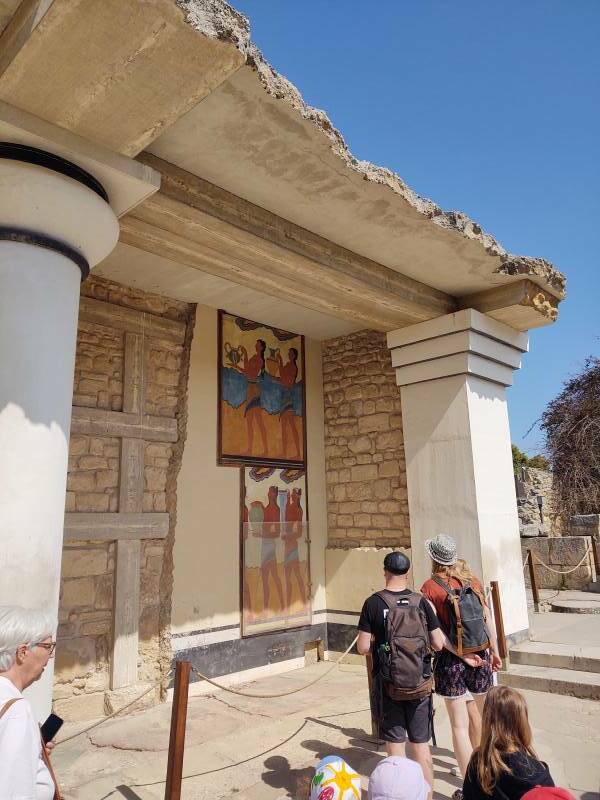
point(468, 631)
point(405, 656)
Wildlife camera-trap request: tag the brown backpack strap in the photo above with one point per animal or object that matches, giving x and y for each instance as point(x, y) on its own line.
point(445, 586)
point(459, 626)
point(46, 760)
point(8, 705)
point(452, 598)
point(390, 598)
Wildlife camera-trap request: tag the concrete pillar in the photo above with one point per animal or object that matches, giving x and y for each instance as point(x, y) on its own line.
point(55, 223)
point(453, 372)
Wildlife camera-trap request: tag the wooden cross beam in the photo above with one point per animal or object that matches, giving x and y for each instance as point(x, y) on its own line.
point(134, 427)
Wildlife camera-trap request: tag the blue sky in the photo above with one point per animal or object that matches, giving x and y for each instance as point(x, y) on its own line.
point(489, 108)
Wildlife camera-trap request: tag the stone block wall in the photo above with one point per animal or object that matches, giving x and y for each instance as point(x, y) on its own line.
point(93, 479)
point(585, 525)
point(367, 499)
point(87, 585)
point(98, 379)
point(531, 484)
point(560, 553)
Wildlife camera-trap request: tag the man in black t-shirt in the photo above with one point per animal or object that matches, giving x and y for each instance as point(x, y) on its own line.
point(406, 719)
point(374, 612)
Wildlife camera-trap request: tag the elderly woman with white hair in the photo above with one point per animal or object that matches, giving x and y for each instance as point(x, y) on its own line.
point(26, 646)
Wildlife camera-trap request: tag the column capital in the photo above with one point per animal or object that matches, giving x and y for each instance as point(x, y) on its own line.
point(63, 193)
point(463, 343)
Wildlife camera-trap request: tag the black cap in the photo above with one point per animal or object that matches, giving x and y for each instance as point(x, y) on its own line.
point(396, 563)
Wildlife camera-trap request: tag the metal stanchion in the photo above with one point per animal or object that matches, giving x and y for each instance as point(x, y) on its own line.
point(177, 738)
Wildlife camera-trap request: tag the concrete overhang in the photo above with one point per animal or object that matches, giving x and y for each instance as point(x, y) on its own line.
point(258, 188)
point(256, 138)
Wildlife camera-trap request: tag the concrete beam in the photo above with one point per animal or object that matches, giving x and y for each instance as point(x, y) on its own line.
point(522, 305)
point(199, 224)
point(117, 72)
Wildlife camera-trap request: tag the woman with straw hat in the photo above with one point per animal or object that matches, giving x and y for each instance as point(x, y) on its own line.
point(455, 679)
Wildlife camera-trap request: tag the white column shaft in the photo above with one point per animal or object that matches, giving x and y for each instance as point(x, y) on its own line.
point(52, 226)
point(453, 372)
point(39, 300)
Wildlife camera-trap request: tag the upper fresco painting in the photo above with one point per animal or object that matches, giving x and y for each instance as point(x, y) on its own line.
point(261, 394)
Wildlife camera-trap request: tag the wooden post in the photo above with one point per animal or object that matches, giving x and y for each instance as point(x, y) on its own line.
point(374, 721)
point(596, 555)
point(499, 620)
point(534, 586)
point(177, 737)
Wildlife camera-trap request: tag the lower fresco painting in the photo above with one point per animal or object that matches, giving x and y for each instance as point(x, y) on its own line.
point(275, 550)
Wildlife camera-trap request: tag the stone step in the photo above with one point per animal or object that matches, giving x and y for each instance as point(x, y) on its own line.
point(561, 656)
point(573, 683)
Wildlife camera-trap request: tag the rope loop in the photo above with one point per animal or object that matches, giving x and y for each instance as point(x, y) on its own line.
point(218, 686)
point(562, 571)
point(278, 694)
point(115, 713)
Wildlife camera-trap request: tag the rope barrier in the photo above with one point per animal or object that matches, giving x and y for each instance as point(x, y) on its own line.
point(278, 694)
point(111, 716)
point(218, 686)
point(562, 571)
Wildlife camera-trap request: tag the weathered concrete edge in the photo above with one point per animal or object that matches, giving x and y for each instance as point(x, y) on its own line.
point(217, 19)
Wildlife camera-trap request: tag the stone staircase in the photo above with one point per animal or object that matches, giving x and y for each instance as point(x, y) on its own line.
point(563, 656)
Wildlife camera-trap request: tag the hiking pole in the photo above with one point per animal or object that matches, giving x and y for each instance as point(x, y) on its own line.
point(177, 737)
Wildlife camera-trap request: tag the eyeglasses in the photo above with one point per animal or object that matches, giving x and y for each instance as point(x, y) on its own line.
point(49, 646)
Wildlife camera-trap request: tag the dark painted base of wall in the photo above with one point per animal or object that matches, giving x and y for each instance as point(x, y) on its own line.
point(238, 655)
point(339, 636)
point(224, 658)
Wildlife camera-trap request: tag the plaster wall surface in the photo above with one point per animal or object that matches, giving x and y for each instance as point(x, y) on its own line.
point(353, 575)
point(206, 593)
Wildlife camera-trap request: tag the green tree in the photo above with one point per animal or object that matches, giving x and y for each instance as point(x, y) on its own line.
point(521, 459)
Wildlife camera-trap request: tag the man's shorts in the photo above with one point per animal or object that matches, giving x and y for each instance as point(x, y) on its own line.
point(405, 719)
point(454, 678)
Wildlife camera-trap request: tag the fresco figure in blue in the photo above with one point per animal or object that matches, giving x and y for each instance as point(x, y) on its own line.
point(265, 382)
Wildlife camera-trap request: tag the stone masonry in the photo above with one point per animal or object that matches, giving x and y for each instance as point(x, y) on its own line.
point(561, 554)
point(364, 454)
point(532, 483)
point(87, 585)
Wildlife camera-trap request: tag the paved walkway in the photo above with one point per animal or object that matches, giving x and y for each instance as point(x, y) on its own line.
point(577, 630)
point(265, 749)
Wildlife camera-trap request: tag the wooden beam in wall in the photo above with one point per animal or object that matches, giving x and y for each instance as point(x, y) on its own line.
point(100, 422)
point(116, 526)
point(192, 221)
point(126, 605)
point(130, 320)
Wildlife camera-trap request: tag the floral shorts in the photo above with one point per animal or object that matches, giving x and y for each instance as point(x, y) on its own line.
point(454, 678)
